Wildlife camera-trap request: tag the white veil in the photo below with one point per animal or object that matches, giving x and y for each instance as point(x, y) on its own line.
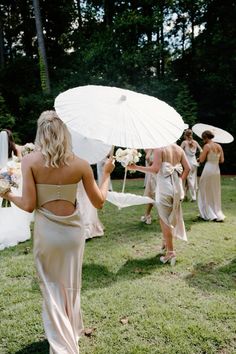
point(3, 149)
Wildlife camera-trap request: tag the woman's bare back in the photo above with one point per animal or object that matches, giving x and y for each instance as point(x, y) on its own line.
point(172, 154)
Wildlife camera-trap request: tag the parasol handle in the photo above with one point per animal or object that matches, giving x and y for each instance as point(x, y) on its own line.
point(111, 153)
point(123, 188)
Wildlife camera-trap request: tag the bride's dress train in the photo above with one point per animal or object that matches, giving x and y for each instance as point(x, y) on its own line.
point(14, 223)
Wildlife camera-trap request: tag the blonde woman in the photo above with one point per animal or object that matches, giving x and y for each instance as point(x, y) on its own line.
point(190, 148)
point(50, 178)
point(209, 195)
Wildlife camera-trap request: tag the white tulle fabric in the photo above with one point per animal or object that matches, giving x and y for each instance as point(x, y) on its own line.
point(3, 149)
point(14, 223)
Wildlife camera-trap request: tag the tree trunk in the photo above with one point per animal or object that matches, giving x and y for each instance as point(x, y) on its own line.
point(44, 74)
point(162, 59)
point(27, 29)
point(78, 7)
point(1, 45)
point(108, 12)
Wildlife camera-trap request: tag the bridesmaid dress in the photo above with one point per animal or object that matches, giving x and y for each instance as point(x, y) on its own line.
point(191, 181)
point(169, 193)
point(209, 194)
point(58, 253)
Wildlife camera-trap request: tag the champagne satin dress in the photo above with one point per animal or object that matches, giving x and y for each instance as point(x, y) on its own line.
point(191, 181)
point(169, 193)
point(209, 194)
point(58, 252)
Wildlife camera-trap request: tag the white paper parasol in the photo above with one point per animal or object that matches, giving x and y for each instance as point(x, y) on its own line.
point(124, 200)
point(119, 117)
point(90, 150)
point(220, 135)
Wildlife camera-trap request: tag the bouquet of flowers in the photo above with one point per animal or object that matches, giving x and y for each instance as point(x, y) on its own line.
point(127, 156)
point(27, 149)
point(9, 177)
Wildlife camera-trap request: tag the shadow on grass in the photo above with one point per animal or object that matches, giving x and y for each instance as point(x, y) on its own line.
point(210, 278)
point(98, 276)
point(35, 348)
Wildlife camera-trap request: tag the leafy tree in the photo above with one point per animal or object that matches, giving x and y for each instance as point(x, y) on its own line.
point(186, 106)
point(7, 121)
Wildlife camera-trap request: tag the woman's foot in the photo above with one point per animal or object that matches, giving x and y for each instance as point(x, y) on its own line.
point(169, 257)
point(146, 219)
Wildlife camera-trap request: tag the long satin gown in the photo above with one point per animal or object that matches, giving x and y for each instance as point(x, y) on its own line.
point(150, 182)
point(209, 193)
point(169, 194)
point(191, 180)
point(58, 253)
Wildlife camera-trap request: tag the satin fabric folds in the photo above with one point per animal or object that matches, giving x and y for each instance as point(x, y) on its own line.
point(209, 195)
point(58, 251)
point(169, 193)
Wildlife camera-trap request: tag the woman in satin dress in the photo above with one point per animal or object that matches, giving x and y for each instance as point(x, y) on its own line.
point(50, 178)
point(209, 193)
point(172, 167)
point(190, 148)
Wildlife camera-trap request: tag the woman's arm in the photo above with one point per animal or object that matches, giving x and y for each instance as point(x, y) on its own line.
point(186, 166)
point(27, 201)
point(148, 156)
point(222, 159)
point(198, 146)
point(203, 154)
point(182, 145)
point(97, 195)
point(154, 168)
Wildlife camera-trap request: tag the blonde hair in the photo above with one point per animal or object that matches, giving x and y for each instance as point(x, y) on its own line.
point(53, 140)
point(188, 134)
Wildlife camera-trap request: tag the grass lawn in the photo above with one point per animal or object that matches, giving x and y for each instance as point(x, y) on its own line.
point(131, 303)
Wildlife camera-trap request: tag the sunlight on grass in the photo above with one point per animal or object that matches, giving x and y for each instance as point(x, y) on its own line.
point(187, 309)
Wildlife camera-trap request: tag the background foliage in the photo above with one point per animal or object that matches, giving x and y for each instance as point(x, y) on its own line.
point(181, 51)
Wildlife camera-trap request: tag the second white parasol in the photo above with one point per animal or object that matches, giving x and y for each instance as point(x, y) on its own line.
point(220, 135)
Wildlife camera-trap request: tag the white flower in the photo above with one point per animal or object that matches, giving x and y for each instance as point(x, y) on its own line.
point(4, 186)
point(127, 156)
point(27, 149)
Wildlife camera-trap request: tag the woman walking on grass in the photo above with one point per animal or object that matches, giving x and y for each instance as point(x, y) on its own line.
point(209, 195)
point(50, 178)
point(190, 148)
point(172, 167)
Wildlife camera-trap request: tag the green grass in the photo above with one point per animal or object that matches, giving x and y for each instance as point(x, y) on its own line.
point(186, 309)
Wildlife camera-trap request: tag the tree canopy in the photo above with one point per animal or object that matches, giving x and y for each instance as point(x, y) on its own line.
point(181, 51)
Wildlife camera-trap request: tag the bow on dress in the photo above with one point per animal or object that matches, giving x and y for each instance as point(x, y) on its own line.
point(174, 172)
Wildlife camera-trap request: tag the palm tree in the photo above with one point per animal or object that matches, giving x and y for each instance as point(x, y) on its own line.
point(44, 74)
